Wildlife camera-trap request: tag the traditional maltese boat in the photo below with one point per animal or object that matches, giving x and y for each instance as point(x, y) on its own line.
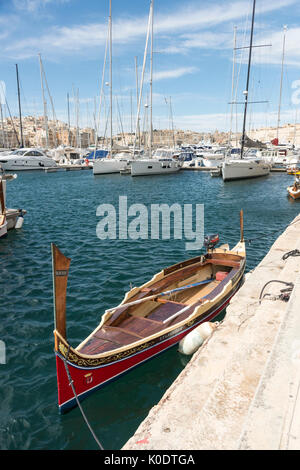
point(150, 319)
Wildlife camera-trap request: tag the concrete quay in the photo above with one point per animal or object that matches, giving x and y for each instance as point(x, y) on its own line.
point(240, 390)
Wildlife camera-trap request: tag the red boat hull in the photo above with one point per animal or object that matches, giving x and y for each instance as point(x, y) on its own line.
point(88, 379)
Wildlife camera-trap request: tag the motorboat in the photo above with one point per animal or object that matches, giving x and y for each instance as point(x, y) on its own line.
point(278, 157)
point(190, 160)
point(68, 156)
point(26, 159)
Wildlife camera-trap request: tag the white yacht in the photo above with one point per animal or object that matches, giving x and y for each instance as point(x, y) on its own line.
point(244, 168)
point(188, 159)
point(160, 163)
point(276, 156)
point(119, 162)
point(26, 159)
point(68, 155)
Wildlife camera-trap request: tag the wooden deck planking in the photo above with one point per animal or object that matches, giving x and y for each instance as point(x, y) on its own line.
point(141, 326)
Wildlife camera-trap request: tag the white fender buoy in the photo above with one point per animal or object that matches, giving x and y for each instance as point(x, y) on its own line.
point(19, 222)
point(193, 340)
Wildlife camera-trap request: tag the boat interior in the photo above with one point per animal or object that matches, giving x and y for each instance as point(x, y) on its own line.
point(131, 323)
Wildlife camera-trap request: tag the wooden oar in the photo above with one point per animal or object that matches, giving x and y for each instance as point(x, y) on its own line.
point(160, 294)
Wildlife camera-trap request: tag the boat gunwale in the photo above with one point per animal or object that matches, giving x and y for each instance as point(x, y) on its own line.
point(198, 305)
point(132, 348)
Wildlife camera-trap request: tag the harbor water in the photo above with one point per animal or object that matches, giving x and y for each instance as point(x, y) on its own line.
point(61, 208)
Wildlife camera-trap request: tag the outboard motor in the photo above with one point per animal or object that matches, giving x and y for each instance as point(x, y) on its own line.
point(210, 241)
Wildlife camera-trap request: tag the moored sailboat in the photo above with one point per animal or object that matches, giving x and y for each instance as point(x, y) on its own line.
point(161, 162)
point(244, 168)
point(150, 319)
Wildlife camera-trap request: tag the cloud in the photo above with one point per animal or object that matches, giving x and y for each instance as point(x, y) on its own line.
point(175, 73)
point(81, 38)
point(292, 51)
point(32, 6)
point(221, 121)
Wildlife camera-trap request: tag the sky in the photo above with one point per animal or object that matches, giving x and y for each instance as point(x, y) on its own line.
point(196, 72)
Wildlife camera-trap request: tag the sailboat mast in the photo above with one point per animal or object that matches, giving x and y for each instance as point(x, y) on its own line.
point(110, 75)
point(172, 123)
point(78, 139)
point(20, 112)
point(248, 78)
point(280, 92)
point(2, 125)
point(151, 82)
point(44, 102)
point(142, 81)
point(68, 103)
point(137, 96)
point(101, 96)
point(232, 83)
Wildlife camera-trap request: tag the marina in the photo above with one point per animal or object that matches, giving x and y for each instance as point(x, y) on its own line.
point(27, 286)
point(149, 273)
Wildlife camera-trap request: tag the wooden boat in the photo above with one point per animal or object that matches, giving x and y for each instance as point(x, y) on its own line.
point(3, 221)
point(150, 319)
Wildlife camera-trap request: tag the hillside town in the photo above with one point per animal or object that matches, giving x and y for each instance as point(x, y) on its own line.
point(58, 133)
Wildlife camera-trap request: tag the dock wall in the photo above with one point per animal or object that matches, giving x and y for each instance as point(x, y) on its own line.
point(241, 389)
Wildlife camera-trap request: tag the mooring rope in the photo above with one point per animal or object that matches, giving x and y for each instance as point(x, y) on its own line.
point(291, 253)
point(77, 400)
point(285, 293)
